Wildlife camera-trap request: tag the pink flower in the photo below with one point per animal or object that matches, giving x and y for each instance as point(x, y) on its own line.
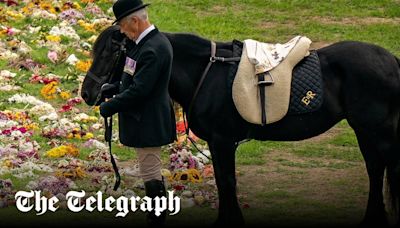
point(22, 130)
point(52, 55)
point(10, 31)
point(74, 101)
point(66, 108)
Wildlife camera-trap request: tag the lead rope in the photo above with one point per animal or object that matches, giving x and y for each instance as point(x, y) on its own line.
point(108, 137)
point(108, 127)
point(191, 139)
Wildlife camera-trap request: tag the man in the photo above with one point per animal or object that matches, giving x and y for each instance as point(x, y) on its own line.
point(146, 117)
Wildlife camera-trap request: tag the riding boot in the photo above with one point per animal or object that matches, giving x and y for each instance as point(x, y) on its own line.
point(155, 188)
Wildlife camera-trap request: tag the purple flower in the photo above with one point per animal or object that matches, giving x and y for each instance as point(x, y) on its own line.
point(5, 184)
point(55, 185)
point(71, 15)
point(93, 9)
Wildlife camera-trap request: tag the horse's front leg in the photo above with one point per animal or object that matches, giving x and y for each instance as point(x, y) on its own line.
point(223, 157)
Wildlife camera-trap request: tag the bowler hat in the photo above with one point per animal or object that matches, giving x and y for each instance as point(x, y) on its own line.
point(123, 8)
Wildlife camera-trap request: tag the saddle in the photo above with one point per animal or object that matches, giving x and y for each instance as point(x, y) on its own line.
point(262, 85)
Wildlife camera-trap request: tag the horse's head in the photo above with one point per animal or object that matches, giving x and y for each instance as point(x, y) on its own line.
point(108, 58)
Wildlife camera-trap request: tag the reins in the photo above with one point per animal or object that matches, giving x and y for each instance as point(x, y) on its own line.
point(108, 121)
point(213, 59)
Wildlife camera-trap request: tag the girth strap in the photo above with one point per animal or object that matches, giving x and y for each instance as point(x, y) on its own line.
point(213, 59)
point(263, 82)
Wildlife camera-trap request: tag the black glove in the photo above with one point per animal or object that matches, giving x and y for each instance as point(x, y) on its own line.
point(105, 109)
point(109, 90)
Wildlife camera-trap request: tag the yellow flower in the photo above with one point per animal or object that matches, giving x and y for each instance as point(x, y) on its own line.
point(53, 38)
point(65, 95)
point(31, 126)
point(88, 136)
point(47, 6)
point(192, 175)
point(87, 26)
point(83, 65)
point(93, 119)
point(76, 5)
point(78, 172)
point(48, 91)
point(62, 151)
point(14, 14)
point(28, 8)
point(70, 136)
point(8, 164)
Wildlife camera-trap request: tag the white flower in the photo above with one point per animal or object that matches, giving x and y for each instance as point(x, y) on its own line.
point(32, 29)
point(64, 30)
point(32, 185)
point(9, 88)
point(7, 74)
point(67, 125)
point(23, 48)
point(97, 126)
point(99, 145)
point(26, 146)
point(8, 123)
point(203, 158)
point(25, 99)
point(39, 13)
point(72, 60)
point(51, 116)
point(16, 134)
point(8, 55)
point(80, 117)
point(44, 108)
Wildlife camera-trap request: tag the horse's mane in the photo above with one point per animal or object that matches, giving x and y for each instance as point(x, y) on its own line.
point(102, 39)
point(191, 43)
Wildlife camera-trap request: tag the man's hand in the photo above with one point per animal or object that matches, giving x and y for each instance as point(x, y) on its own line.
point(105, 110)
point(108, 90)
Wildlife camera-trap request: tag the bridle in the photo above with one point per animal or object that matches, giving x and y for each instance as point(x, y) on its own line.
point(108, 121)
point(213, 59)
point(111, 73)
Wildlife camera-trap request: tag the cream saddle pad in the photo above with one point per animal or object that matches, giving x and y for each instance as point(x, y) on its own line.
point(278, 60)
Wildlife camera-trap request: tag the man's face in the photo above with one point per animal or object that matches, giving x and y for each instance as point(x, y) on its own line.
point(130, 27)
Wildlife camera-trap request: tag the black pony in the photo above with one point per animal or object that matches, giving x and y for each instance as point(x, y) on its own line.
point(361, 84)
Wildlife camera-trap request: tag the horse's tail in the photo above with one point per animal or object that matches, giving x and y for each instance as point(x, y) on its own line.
point(392, 179)
point(392, 191)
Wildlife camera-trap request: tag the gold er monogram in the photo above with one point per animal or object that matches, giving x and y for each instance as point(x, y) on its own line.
point(309, 96)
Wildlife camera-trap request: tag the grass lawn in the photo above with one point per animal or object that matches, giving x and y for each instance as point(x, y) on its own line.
point(316, 182)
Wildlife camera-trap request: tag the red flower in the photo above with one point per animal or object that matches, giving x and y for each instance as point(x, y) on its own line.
point(66, 108)
point(22, 130)
point(47, 81)
point(180, 127)
point(10, 2)
point(179, 187)
point(74, 101)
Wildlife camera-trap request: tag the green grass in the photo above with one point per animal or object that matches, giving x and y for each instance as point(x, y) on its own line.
point(225, 20)
point(277, 21)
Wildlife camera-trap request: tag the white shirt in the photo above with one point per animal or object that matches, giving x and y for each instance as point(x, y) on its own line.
point(144, 33)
